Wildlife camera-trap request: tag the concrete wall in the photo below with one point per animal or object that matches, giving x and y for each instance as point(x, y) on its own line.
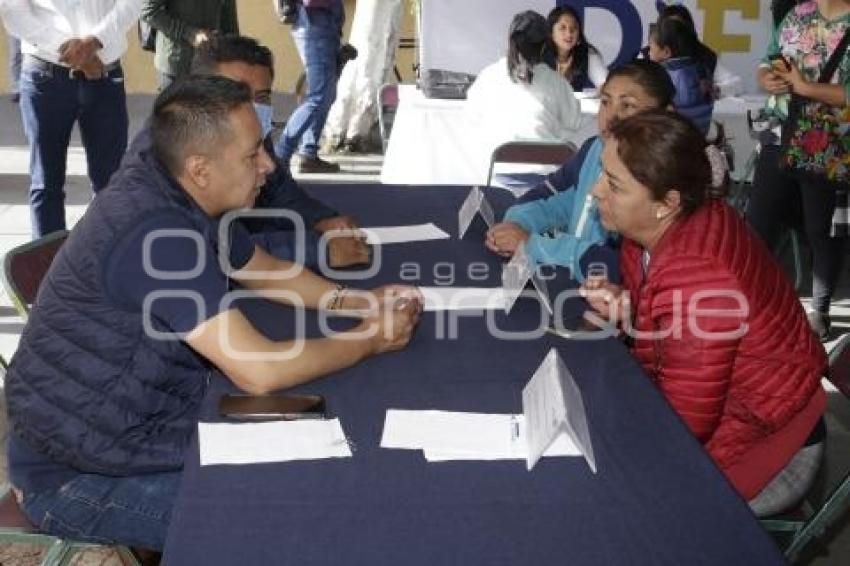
point(257, 19)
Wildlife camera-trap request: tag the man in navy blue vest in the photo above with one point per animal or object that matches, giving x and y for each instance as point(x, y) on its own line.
point(135, 315)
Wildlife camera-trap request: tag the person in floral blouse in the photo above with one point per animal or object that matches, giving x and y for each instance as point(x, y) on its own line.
point(799, 49)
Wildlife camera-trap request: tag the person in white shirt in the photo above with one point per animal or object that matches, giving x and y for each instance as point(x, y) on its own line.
point(569, 52)
point(71, 73)
point(520, 97)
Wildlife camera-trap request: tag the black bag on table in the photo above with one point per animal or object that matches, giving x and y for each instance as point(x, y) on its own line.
point(437, 83)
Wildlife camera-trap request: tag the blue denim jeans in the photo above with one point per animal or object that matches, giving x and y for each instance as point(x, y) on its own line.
point(318, 51)
point(51, 103)
point(133, 511)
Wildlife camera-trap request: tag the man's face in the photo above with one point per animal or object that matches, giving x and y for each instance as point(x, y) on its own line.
point(258, 77)
point(239, 167)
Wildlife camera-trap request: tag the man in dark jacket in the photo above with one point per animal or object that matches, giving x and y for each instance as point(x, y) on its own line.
point(244, 59)
point(135, 316)
point(181, 26)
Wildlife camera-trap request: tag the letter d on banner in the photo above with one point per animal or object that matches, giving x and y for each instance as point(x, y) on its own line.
point(629, 19)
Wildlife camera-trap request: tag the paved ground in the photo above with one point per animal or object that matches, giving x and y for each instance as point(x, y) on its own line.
point(15, 229)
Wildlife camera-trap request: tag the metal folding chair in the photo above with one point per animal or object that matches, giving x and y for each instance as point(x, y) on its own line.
point(25, 266)
point(803, 526)
point(531, 152)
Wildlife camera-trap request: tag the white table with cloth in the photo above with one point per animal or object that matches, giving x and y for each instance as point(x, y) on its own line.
point(433, 141)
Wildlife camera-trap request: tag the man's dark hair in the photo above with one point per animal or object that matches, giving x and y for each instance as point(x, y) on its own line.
point(191, 115)
point(230, 48)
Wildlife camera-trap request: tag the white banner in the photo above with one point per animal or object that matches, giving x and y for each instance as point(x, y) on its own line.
point(467, 35)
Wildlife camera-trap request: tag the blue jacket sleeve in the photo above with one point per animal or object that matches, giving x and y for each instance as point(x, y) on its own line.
point(281, 191)
point(553, 213)
point(562, 179)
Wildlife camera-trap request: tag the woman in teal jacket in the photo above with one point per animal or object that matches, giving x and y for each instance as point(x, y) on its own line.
point(561, 229)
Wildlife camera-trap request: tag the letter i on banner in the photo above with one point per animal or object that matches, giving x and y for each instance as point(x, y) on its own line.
point(475, 203)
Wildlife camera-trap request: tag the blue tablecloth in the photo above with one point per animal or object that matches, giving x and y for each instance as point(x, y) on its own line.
point(656, 499)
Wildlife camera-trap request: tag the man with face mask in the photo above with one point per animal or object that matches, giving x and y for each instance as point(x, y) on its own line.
point(244, 59)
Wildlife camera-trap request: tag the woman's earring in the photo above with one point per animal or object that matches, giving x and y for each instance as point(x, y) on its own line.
point(658, 215)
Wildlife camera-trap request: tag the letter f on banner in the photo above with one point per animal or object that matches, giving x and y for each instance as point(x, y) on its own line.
point(715, 15)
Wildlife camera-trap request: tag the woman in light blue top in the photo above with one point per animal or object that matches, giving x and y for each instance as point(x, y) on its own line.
point(562, 229)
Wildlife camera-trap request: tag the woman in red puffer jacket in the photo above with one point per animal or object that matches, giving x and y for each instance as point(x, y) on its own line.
point(713, 320)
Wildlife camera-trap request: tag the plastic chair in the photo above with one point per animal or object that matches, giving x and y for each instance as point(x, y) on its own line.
point(387, 106)
point(799, 529)
point(531, 152)
point(25, 266)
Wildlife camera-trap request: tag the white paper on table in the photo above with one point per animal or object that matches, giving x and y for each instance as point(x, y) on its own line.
point(279, 441)
point(401, 234)
point(462, 298)
point(553, 406)
point(474, 203)
point(444, 435)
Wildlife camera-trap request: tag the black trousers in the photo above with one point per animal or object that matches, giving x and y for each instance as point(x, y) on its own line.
point(780, 200)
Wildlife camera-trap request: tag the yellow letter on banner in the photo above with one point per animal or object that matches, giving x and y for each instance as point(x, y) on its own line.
point(715, 12)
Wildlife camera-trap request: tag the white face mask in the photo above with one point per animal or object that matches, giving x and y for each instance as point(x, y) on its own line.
point(264, 113)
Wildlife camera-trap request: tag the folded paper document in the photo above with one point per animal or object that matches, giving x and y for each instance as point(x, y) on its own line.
point(402, 234)
point(444, 435)
point(279, 441)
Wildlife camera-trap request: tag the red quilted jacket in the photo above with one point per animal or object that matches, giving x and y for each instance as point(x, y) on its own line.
point(738, 374)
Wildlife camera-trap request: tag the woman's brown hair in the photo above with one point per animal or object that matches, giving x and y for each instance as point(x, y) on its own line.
point(664, 151)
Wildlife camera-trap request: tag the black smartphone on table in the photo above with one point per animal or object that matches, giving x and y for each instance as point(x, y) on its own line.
point(272, 407)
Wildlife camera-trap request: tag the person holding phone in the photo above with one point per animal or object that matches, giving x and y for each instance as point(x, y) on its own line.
point(135, 315)
point(799, 50)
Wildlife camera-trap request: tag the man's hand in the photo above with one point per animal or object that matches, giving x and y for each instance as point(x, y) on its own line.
point(504, 238)
point(391, 328)
point(335, 223)
point(395, 296)
point(345, 251)
point(92, 69)
point(76, 52)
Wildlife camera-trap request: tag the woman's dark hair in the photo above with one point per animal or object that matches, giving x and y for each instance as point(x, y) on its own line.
point(703, 53)
point(665, 151)
point(652, 78)
point(582, 49)
point(677, 36)
point(780, 8)
point(681, 13)
point(527, 38)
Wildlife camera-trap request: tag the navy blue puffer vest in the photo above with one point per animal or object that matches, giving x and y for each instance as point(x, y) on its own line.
point(694, 90)
point(87, 387)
